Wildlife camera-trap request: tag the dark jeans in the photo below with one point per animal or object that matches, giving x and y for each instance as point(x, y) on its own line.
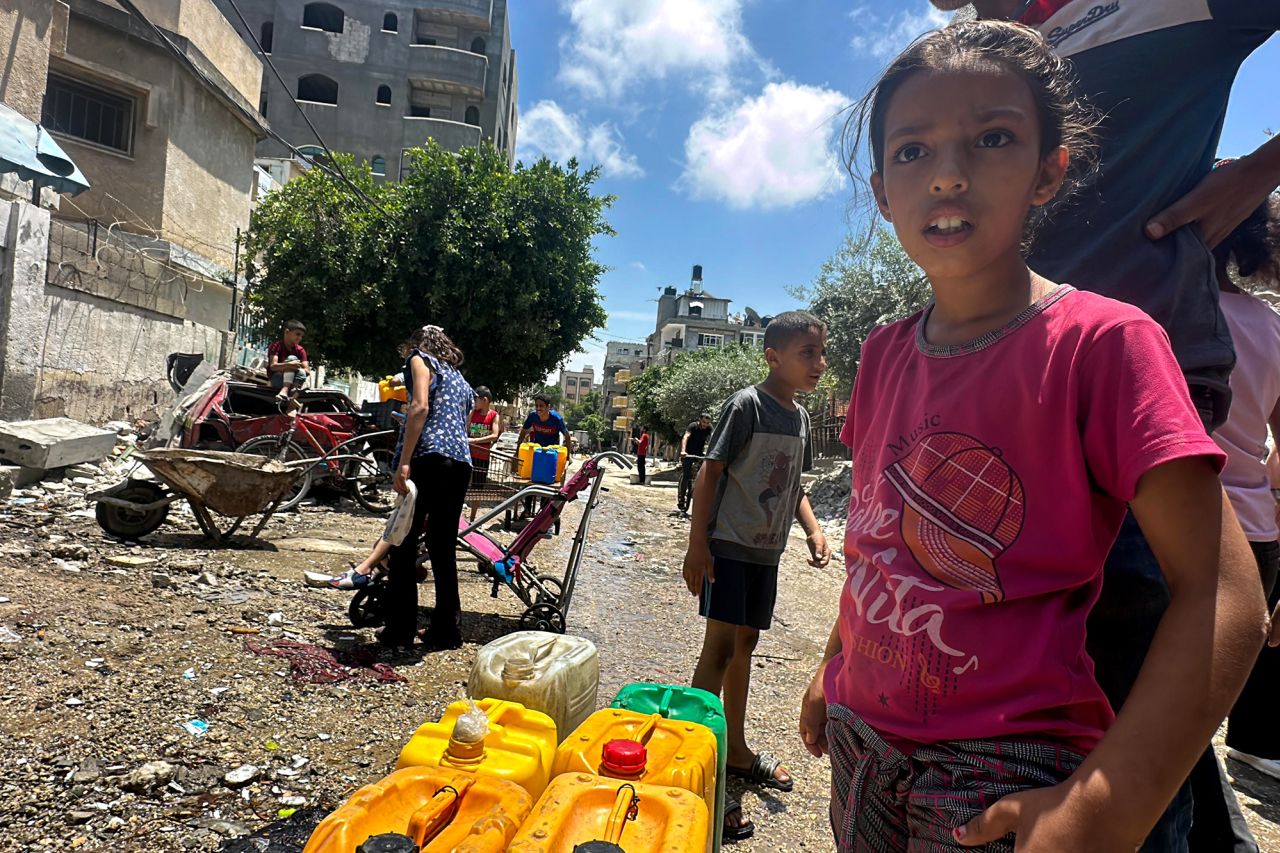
point(442, 488)
point(640, 468)
point(1252, 726)
point(1121, 626)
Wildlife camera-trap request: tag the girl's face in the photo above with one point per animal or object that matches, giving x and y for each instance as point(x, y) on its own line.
point(962, 168)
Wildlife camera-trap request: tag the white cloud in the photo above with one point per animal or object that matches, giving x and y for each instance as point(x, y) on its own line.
point(546, 128)
point(613, 44)
point(883, 37)
point(775, 150)
point(638, 266)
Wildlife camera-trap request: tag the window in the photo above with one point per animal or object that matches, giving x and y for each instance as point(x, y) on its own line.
point(378, 166)
point(477, 45)
point(89, 113)
point(390, 23)
point(264, 36)
point(318, 89)
point(262, 102)
point(322, 16)
point(384, 94)
point(419, 112)
point(473, 115)
point(710, 340)
point(315, 152)
point(423, 40)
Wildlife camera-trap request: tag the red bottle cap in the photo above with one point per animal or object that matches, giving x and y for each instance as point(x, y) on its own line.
point(623, 758)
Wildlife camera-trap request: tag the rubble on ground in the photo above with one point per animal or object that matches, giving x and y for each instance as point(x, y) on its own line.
point(829, 492)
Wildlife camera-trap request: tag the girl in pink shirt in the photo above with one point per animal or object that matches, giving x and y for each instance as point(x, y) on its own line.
point(997, 437)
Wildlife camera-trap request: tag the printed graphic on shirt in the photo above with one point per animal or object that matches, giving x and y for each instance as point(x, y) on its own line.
point(962, 507)
point(957, 506)
point(765, 475)
point(775, 471)
point(1074, 26)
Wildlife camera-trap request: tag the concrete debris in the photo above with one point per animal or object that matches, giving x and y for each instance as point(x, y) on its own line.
point(53, 443)
point(153, 774)
point(829, 493)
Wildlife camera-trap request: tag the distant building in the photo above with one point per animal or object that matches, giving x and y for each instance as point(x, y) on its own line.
point(378, 77)
point(623, 361)
point(696, 319)
point(576, 385)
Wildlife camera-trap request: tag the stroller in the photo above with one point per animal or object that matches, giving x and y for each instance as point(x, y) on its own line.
point(546, 597)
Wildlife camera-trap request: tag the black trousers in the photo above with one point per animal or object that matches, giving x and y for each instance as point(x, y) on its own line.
point(442, 488)
point(640, 468)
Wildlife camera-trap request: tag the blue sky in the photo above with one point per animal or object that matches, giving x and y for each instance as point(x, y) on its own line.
point(715, 123)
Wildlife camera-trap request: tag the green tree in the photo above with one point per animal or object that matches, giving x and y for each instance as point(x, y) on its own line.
point(866, 283)
point(667, 399)
point(576, 413)
point(502, 259)
point(596, 428)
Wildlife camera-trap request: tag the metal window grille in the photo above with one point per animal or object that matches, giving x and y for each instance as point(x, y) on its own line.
point(89, 113)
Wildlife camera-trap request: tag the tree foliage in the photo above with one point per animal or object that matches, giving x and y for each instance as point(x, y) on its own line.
point(501, 259)
point(866, 283)
point(576, 413)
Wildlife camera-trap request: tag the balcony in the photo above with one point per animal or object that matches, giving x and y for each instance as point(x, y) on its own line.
point(622, 377)
point(469, 14)
point(621, 423)
point(619, 402)
point(451, 135)
point(447, 70)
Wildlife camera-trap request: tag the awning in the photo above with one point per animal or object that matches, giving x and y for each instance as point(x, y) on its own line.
point(31, 151)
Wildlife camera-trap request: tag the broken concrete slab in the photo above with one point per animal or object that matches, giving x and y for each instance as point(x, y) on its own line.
point(20, 475)
point(53, 443)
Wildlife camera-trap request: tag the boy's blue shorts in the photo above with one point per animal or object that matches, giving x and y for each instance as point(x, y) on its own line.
point(743, 594)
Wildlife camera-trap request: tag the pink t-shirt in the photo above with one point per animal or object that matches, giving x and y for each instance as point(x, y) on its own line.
point(989, 483)
point(1255, 390)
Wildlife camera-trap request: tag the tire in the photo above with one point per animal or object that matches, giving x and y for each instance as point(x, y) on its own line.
point(127, 523)
point(366, 609)
point(372, 481)
point(269, 446)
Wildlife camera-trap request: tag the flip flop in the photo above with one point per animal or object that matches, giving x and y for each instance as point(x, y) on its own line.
point(761, 772)
point(746, 829)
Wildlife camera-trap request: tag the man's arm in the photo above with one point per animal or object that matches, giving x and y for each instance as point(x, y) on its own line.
point(1198, 662)
point(1225, 197)
point(684, 444)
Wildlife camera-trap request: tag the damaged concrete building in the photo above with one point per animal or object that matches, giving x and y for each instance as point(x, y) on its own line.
point(378, 77)
point(154, 101)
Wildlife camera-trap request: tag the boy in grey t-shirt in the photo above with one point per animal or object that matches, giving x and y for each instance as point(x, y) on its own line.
point(744, 502)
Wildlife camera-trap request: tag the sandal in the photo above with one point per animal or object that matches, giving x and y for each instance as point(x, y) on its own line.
point(762, 771)
point(744, 829)
point(350, 579)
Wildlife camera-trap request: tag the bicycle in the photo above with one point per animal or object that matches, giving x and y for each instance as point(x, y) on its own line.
point(365, 462)
point(688, 476)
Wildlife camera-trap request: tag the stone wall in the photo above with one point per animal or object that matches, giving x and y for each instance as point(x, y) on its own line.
point(85, 329)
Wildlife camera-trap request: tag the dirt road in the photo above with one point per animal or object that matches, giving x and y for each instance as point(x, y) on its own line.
point(109, 650)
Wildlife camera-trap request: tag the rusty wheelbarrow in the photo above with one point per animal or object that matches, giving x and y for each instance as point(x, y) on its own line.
point(234, 485)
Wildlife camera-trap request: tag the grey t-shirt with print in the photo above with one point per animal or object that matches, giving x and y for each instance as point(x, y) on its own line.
point(764, 447)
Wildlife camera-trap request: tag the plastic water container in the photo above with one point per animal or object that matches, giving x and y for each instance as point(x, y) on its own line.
point(545, 461)
point(579, 808)
point(557, 675)
point(519, 746)
point(524, 459)
point(643, 748)
point(690, 705)
point(562, 460)
point(387, 392)
point(437, 808)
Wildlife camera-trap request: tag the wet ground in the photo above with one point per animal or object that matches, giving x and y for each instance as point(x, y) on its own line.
point(109, 650)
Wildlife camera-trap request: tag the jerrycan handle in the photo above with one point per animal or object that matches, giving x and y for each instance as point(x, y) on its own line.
point(430, 820)
point(646, 730)
point(626, 807)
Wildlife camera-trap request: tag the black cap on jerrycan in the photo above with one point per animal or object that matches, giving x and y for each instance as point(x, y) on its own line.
point(598, 847)
point(391, 842)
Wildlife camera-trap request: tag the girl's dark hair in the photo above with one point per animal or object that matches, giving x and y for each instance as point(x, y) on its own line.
point(1064, 117)
point(433, 341)
point(1254, 245)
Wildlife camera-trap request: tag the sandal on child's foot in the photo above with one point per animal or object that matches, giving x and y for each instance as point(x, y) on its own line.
point(736, 828)
point(350, 579)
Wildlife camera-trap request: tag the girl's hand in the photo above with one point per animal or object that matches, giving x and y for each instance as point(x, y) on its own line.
point(1047, 820)
point(821, 553)
point(402, 479)
point(813, 715)
point(699, 566)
